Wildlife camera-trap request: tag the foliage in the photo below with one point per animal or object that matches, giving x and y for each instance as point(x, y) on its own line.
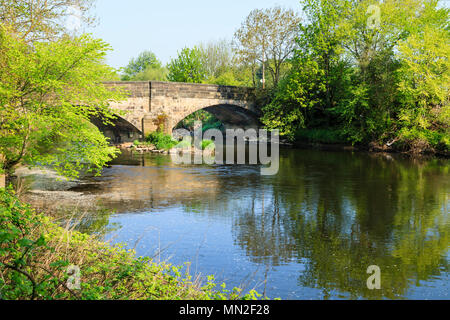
point(227, 78)
point(151, 74)
point(187, 67)
point(217, 58)
point(213, 125)
point(328, 136)
point(184, 144)
point(161, 122)
point(267, 36)
point(208, 145)
point(37, 20)
point(161, 141)
point(145, 65)
point(425, 91)
point(48, 94)
point(35, 255)
point(386, 84)
point(208, 120)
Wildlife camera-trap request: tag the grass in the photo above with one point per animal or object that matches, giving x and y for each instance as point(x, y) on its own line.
point(36, 254)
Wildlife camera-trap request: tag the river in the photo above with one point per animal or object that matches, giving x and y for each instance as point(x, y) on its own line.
point(309, 232)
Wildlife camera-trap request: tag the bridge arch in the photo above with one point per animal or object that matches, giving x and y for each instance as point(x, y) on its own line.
point(149, 100)
point(231, 116)
point(120, 131)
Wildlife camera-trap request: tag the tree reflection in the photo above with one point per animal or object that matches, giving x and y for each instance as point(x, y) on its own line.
point(341, 213)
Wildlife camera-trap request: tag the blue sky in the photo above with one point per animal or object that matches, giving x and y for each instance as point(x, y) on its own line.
point(166, 26)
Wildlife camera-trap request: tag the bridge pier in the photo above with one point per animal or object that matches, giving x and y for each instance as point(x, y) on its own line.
point(151, 102)
point(148, 125)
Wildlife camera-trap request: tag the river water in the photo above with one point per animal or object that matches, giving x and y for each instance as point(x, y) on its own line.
point(309, 232)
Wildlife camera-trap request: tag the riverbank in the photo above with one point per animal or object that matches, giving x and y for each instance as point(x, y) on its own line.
point(333, 139)
point(40, 260)
point(371, 148)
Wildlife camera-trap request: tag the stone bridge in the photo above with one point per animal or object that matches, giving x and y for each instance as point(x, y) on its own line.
point(151, 100)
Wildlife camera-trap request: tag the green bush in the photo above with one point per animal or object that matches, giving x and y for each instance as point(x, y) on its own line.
point(35, 255)
point(208, 144)
point(161, 141)
point(184, 145)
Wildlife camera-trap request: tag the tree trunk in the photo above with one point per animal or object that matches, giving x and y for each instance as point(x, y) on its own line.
point(2, 175)
point(264, 70)
point(264, 75)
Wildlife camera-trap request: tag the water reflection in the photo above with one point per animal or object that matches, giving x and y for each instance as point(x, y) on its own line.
point(341, 213)
point(322, 220)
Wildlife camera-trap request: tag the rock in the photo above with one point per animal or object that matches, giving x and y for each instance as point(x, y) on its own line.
point(128, 145)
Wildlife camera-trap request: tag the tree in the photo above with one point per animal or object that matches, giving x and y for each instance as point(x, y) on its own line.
point(187, 67)
point(49, 92)
point(382, 84)
point(38, 20)
point(425, 88)
point(218, 58)
point(268, 36)
point(146, 60)
point(318, 72)
point(375, 106)
point(152, 74)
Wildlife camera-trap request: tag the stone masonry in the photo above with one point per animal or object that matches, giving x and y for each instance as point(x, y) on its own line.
point(147, 101)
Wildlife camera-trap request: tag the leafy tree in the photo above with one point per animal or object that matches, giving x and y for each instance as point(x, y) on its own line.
point(145, 62)
point(425, 90)
point(49, 92)
point(374, 108)
point(152, 74)
point(222, 67)
point(37, 20)
point(208, 120)
point(218, 57)
point(384, 84)
point(188, 66)
point(268, 35)
point(227, 78)
point(313, 83)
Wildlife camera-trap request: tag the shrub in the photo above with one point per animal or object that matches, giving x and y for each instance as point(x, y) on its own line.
point(35, 255)
point(184, 145)
point(208, 144)
point(161, 141)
